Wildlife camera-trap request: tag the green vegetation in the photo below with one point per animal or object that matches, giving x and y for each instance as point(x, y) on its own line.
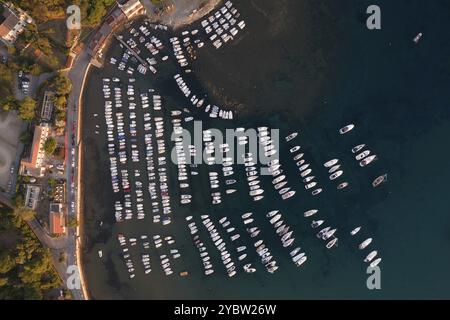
point(50, 146)
point(27, 109)
point(72, 222)
point(26, 268)
point(26, 137)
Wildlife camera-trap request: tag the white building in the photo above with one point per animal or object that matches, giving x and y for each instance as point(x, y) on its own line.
point(12, 23)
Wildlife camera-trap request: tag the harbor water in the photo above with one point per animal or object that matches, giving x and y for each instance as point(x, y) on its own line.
point(308, 66)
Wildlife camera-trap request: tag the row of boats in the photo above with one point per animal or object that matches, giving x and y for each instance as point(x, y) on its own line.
point(198, 102)
point(306, 172)
point(327, 234)
point(283, 231)
point(223, 25)
point(334, 170)
point(370, 258)
point(125, 209)
point(279, 180)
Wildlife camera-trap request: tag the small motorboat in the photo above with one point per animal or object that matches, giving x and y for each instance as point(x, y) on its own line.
point(362, 155)
point(330, 163)
point(379, 180)
point(309, 213)
point(316, 223)
point(298, 156)
point(418, 37)
point(342, 185)
point(365, 243)
point(357, 148)
point(316, 192)
point(272, 213)
point(294, 149)
point(334, 168)
point(331, 243)
point(355, 231)
point(336, 175)
point(291, 136)
point(374, 263)
point(370, 256)
point(367, 160)
point(346, 129)
point(288, 195)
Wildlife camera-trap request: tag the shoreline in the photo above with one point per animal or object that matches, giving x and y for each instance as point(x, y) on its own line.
point(80, 198)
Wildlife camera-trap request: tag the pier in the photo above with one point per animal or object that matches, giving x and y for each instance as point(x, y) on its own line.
point(142, 61)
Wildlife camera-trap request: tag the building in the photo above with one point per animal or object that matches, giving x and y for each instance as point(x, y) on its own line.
point(119, 14)
point(12, 23)
point(32, 197)
point(131, 8)
point(57, 220)
point(47, 106)
point(33, 160)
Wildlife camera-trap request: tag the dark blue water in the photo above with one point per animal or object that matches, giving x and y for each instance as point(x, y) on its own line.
point(311, 66)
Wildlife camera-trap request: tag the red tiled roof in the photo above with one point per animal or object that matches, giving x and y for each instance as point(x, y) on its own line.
point(56, 223)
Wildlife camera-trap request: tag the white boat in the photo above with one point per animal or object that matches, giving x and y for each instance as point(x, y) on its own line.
point(275, 219)
point(241, 248)
point(247, 221)
point(316, 223)
point(298, 156)
point(258, 243)
point(342, 185)
point(294, 252)
point(357, 148)
point(355, 231)
point(291, 136)
point(346, 129)
point(272, 213)
point(303, 167)
point(246, 215)
point(329, 234)
point(286, 236)
point(305, 173)
point(331, 243)
point(362, 155)
point(334, 168)
point(418, 37)
point(294, 149)
point(288, 243)
point(280, 185)
point(370, 256)
point(230, 191)
point(316, 192)
point(100, 253)
point(336, 175)
point(330, 163)
point(322, 232)
point(288, 195)
point(308, 179)
point(300, 162)
point(310, 185)
point(284, 190)
point(278, 179)
point(374, 263)
point(367, 160)
point(230, 181)
point(309, 213)
point(301, 261)
point(365, 243)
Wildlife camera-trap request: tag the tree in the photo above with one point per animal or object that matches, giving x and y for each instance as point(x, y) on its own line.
point(27, 109)
point(3, 282)
point(72, 223)
point(6, 263)
point(25, 213)
point(50, 146)
point(61, 84)
point(26, 137)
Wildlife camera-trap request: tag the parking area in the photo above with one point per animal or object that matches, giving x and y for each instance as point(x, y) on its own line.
point(10, 129)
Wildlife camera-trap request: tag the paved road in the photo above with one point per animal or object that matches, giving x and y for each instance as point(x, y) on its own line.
point(76, 75)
